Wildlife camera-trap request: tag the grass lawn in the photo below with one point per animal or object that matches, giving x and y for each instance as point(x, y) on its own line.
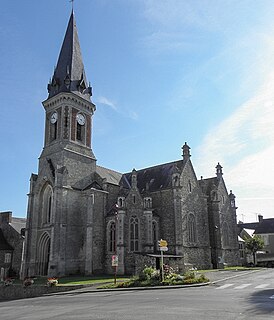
point(74, 280)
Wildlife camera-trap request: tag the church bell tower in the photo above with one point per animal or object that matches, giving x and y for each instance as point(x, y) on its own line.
point(57, 207)
point(68, 108)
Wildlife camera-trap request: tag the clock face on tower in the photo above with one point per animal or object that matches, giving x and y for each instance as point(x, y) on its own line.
point(81, 119)
point(54, 117)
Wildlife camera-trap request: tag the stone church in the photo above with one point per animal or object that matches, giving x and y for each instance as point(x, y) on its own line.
point(80, 214)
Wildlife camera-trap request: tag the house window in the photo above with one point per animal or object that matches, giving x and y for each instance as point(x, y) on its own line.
point(7, 257)
point(134, 233)
point(112, 237)
point(265, 238)
point(191, 227)
point(134, 199)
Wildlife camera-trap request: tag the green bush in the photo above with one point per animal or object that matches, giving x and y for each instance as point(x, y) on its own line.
point(149, 276)
point(189, 275)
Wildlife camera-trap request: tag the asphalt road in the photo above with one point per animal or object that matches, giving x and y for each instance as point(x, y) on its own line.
point(250, 296)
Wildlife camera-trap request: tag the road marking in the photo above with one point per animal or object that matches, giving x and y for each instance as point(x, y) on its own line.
point(243, 286)
point(272, 297)
point(261, 286)
point(226, 286)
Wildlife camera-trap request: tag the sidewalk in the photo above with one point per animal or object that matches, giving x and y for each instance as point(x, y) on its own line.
point(222, 275)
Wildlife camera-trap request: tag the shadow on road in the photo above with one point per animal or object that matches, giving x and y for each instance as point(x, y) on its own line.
point(262, 301)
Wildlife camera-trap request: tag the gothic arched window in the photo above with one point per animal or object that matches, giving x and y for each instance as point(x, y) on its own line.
point(189, 186)
point(147, 203)
point(225, 233)
point(121, 201)
point(80, 127)
point(112, 236)
point(191, 227)
point(47, 205)
point(155, 235)
point(134, 233)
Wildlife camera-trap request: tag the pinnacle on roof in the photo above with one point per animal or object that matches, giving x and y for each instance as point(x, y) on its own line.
point(69, 74)
point(186, 153)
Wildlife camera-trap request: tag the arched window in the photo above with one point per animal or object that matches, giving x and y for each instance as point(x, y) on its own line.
point(134, 233)
point(43, 254)
point(189, 186)
point(80, 127)
point(225, 234)
point(79, 132)
point(47, 205)
point(191, 227)
point(155, 235)
point(112, 237)
point(147, 203)
point(53, 131)
point(121, 201)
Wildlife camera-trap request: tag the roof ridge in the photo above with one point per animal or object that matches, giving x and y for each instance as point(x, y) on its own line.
point(111, 170)
point(158, 165)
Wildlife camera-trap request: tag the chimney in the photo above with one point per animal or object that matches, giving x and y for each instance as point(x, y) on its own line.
point(260, 217)
point(5, 217)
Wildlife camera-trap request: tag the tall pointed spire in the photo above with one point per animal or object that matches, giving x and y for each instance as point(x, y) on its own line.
point(69, 74)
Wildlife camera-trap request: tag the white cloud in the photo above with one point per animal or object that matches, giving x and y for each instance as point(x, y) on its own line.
point(128, 114)
point(244, 145)
point(107, 102)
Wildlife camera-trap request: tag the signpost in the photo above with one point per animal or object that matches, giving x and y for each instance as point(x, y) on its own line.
point(114, 263)
point(163, 247)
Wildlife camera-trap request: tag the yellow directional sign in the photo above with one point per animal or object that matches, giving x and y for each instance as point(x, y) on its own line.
point(163, 243)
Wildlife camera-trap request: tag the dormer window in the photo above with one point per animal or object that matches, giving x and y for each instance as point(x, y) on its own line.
point(147, 203)
point(121, 202)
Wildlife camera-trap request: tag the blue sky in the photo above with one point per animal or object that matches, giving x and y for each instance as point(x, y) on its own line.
point(162, 72)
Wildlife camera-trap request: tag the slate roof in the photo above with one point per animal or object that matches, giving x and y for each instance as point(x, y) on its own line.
point(250, 225)
point(111, 176)
point(3, 242)
point(265, 226)
point(18, 224)
point(69, 74)
point(154, 178)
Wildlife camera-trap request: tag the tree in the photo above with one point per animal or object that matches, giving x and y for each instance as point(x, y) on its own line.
point(253, 245)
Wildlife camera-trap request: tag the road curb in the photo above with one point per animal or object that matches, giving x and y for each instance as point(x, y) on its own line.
point(195, 285)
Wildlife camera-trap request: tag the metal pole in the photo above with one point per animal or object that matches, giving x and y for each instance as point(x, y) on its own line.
point(162, 265)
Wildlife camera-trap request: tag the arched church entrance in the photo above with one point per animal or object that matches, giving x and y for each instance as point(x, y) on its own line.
point(43, 254)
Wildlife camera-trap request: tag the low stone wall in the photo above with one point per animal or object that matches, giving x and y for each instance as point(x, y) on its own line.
point(18, 292)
